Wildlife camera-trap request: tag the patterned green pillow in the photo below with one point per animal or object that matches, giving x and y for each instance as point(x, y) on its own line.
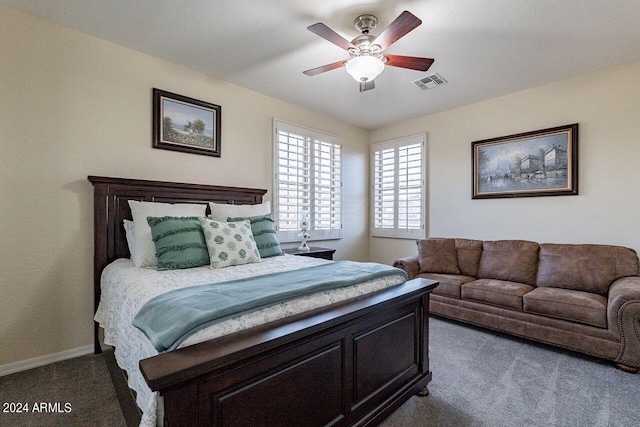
point(229, 243)
point(179, 242)
point(263, 229)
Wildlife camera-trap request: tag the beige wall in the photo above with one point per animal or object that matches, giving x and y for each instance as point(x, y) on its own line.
point(72, 105)
point(606, 104)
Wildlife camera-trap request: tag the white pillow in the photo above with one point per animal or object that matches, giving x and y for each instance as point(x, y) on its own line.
point(229, 243)
point(129, 234)
point(144, 254)
point(222, 211)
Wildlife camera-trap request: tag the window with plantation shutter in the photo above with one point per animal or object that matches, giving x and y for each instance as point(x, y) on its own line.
point(308, 180)
point(398, 188)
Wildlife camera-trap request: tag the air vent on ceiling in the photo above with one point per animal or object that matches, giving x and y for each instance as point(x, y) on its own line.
point(430, 81)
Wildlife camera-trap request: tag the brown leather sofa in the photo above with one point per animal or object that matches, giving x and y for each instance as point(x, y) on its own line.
point(581, 297)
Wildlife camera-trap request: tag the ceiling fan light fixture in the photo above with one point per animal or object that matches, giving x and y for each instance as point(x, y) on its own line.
point(365, 68)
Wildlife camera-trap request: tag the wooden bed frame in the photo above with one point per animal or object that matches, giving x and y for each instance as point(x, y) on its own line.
point(351, 363)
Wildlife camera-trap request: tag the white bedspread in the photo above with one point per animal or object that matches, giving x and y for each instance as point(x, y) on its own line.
point(126, 288)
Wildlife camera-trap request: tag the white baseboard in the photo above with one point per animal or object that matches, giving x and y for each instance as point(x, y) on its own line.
point(12, 368)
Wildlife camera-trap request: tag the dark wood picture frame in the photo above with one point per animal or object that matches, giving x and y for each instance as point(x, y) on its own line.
point(186, 124)
point(538, 163)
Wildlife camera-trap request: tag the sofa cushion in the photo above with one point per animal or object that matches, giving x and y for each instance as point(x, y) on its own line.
point(588, 268)
point(496, 292)
point(449, 283)
point(468, 252)
point(576, 306)
point(437, 255)
point(509, 260)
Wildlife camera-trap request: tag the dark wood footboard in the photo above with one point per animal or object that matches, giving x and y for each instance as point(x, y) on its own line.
point(349, 364)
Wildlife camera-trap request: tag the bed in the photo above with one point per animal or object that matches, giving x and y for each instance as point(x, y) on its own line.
point(349, 363)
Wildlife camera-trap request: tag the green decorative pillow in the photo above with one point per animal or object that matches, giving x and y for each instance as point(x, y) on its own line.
point(144, 254)
point(264, 233)
point(229, 243)
point(179, 242)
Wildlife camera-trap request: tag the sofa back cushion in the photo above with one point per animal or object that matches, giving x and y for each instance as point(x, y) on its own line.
point(588, 268)
point(468, 252)
point(511, 260)
point(437, 255)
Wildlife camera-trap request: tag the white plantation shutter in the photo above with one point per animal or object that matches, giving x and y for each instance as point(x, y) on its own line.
point(293, 179)
point(398, 188)
point(327, 186)
point(308, 179)
point(384, 193)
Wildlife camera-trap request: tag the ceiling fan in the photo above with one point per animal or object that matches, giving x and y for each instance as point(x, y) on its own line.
point(367, 60)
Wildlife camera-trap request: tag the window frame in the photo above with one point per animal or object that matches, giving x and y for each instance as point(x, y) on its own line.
point(396, 231)
point(312, 137)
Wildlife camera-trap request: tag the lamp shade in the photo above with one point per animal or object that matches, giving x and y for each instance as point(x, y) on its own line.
point(365, 68)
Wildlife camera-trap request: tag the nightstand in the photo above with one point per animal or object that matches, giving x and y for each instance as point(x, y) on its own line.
point(313, 252)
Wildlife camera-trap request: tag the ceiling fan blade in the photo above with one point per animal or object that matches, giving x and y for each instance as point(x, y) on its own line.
point(367, 85)
point(324, 68)
point(401, 26)
point(330, 35)
point(410, 62)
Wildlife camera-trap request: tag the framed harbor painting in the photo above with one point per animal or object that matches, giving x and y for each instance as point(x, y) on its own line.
point(185, 124)
point(538, 163)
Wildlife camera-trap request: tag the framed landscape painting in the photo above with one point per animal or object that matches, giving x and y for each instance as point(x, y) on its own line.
point(185, 124)
point(538, 163)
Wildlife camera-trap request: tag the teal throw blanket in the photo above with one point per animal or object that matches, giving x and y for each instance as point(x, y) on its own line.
point(170, 318)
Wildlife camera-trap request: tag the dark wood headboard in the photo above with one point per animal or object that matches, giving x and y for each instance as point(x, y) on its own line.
point(111, 196)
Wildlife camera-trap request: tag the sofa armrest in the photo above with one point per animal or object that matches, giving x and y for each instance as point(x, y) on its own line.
point(623, 317)
point(408, 264)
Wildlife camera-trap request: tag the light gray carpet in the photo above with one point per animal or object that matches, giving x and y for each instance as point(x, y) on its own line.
point(479, 379)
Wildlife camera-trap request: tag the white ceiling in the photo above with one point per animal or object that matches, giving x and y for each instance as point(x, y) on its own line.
point(483, 48)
